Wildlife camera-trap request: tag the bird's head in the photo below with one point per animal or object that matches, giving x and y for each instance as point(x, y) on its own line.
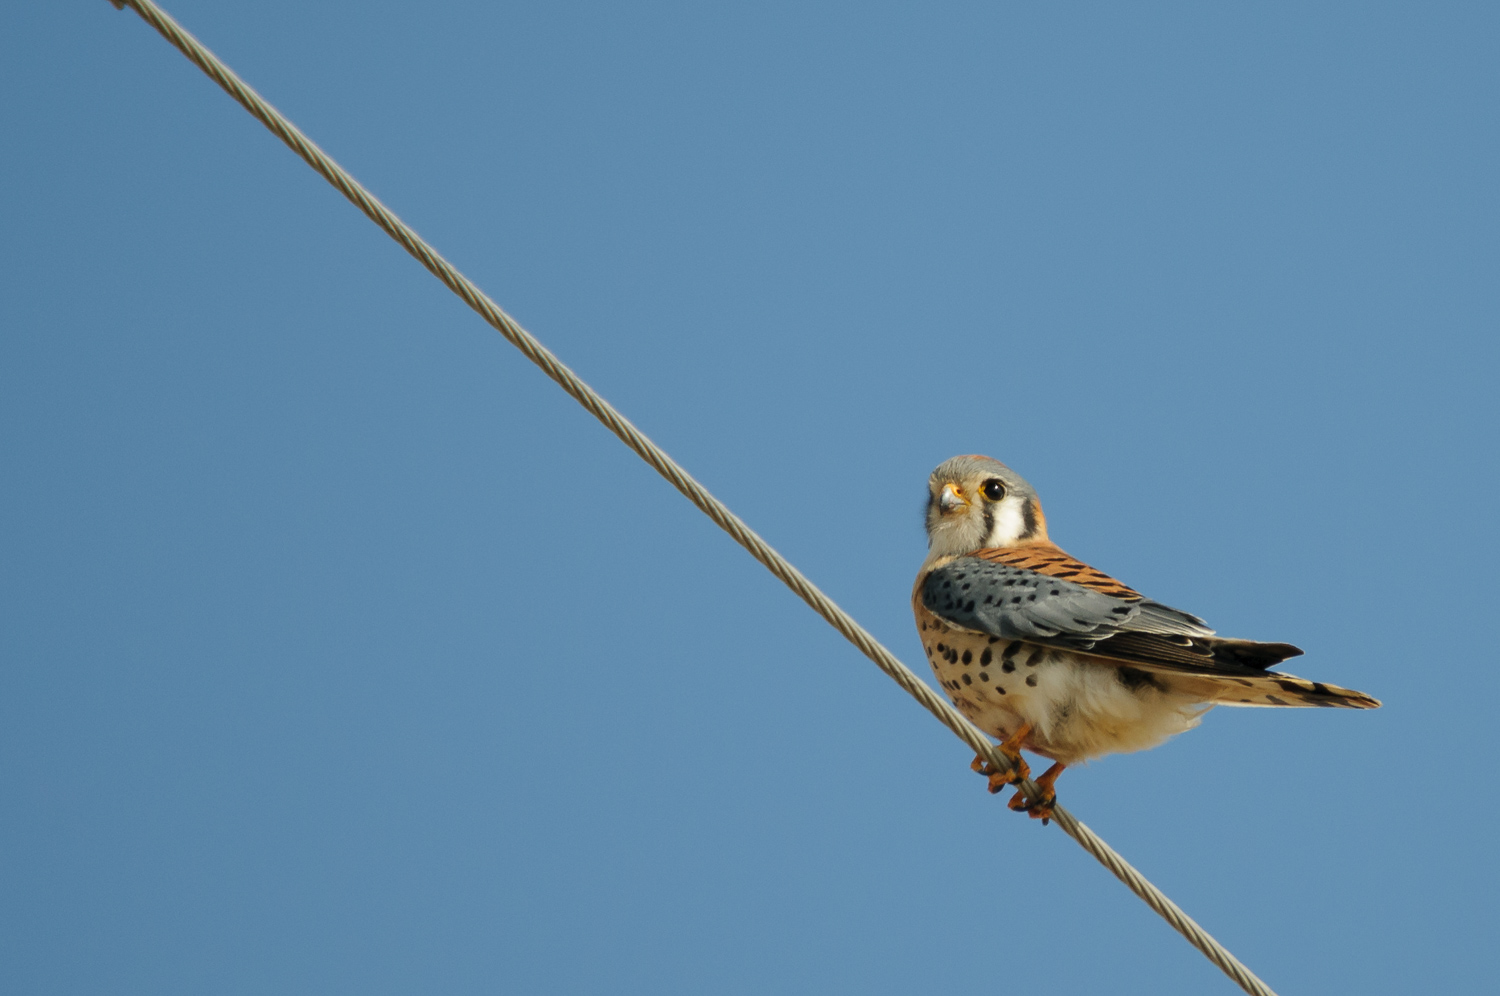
point(975, 502)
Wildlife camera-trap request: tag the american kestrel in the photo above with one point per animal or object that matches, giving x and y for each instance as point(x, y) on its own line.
point(1044, 652)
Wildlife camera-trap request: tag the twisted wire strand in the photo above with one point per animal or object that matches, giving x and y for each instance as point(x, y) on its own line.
point(684, 482)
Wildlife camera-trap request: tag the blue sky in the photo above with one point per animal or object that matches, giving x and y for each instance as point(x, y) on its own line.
point(341, 652)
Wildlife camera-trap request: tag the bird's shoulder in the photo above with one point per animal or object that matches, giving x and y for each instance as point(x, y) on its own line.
point(1048, 558)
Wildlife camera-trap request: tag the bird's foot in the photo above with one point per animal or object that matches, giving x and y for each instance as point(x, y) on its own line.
point(1011, 751)
point(1039, 808)
point(998, 777)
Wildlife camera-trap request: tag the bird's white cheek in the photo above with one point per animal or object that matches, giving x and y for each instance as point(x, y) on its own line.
point(1009, 523)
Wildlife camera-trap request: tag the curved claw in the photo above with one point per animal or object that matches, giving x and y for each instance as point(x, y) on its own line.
point(998, 778)
point(1011, 749)
point(1040, 808)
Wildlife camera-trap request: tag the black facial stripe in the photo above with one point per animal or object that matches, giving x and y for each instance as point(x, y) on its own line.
point(989, 520)
point(1028, 514)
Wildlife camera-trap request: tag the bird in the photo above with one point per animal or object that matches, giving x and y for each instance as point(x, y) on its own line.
point(1050, 655)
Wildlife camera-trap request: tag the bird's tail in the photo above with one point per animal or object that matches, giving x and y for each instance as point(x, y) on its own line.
point(1272, 689)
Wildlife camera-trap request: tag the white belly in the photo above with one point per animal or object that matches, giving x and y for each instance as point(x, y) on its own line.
point(1078, 706)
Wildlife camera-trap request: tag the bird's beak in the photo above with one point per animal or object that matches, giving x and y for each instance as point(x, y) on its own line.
point(951, 499)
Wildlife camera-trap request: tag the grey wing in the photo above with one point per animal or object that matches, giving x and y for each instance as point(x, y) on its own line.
point(1015, 603)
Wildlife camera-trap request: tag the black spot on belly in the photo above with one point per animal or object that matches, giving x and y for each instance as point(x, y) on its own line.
point(985, 657)
point(1007, 666)
point(968, 657)
point(968, 680)
point(984, 676)
point(1000, 689)
point(1036, 656)
point(1012, 648)
point(1031, 680)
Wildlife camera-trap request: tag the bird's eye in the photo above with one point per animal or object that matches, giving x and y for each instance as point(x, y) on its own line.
point(994, 489)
